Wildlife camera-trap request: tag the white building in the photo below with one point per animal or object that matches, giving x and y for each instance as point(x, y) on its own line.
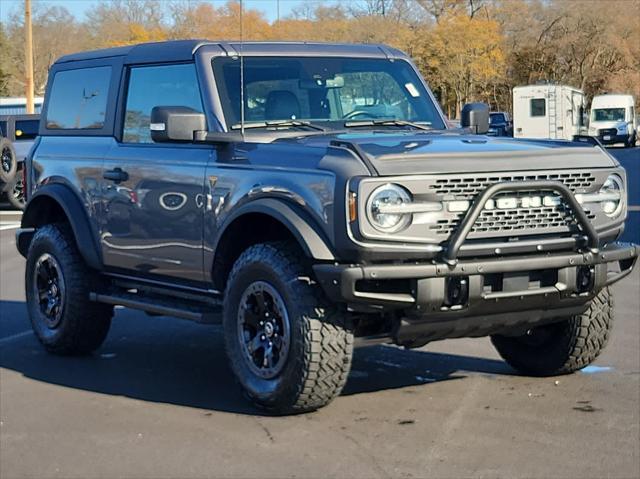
point(18, 105)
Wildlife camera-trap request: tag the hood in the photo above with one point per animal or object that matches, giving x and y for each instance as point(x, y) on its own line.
point(602, 125)
point(22, 148)
point(400, 153)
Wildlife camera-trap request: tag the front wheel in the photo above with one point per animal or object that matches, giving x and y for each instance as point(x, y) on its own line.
point(563, 347)
point(15, 192)
point(8, 164)
point(289, 348)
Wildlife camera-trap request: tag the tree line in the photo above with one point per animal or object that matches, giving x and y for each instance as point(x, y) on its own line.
point(468, 50)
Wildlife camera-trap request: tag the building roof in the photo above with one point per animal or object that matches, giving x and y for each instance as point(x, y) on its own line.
point(181, 50)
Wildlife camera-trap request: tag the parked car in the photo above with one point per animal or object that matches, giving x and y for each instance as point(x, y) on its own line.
point(325, 206)
point(21, 131)
point(500, 124)
point(613, 119)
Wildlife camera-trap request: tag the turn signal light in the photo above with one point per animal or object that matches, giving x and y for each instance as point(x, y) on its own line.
point(353, 210)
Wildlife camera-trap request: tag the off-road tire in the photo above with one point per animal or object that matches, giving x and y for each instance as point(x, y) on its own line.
point(15, 198)
point(570, 345)
point(84, 324)
point(321, 345)
point(9, 167)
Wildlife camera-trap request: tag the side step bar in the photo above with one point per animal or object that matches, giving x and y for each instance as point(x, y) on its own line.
point(207, 314)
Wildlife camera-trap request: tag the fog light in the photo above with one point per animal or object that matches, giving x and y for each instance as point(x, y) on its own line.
point(584, 279)
point(457, 291)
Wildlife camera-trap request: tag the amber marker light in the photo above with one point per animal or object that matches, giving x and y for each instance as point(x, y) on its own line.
point(352, 207)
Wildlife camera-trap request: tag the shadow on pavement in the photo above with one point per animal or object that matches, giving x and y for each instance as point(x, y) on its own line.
point(177, 362)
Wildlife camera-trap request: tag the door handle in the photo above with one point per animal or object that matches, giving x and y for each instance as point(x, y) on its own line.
point(116, 175)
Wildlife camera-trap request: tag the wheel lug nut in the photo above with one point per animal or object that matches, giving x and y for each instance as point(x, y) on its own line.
point(261, 323)
point(263, 337)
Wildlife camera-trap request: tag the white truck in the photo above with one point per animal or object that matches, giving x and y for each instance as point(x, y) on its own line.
point(548, 112)
point(613, 119)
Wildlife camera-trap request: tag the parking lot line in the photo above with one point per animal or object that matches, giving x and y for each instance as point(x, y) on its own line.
point(15, 336)
point(9, 226)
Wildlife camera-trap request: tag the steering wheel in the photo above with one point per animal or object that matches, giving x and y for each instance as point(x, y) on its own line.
point(356, 113)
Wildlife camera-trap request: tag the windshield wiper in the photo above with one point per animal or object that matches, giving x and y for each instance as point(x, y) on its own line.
point(278, 123)
point(351, 124)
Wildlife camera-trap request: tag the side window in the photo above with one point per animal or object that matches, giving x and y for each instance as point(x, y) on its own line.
point(26, 129)
point(3, 128)
point(538, 107)
point(150, 86)
point(79, 99)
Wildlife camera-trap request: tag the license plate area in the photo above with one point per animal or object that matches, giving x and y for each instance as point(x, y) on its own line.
point(519, 281)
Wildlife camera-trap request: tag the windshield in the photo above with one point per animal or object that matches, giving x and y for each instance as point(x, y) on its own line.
point(324, 90)
point(495, 118)
point(607, 114)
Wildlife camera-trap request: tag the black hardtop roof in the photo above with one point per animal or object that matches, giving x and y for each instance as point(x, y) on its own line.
point(183, 50)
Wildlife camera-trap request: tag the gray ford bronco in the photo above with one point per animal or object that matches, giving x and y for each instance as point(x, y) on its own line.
point(311, 198)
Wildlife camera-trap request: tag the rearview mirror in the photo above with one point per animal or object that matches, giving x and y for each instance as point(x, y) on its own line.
point(175, 123)
point(476, 117)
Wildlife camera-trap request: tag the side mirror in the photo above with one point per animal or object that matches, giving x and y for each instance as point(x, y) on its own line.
point(175, 123)
point(476, 117)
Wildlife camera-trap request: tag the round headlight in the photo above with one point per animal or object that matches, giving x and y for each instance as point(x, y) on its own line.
point(387, 197)
point(611, 192)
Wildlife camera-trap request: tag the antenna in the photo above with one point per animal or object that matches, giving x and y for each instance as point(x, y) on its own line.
point(241, 71)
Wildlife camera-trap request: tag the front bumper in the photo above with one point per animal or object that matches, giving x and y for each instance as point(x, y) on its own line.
point(612, 138)
point(492, 286)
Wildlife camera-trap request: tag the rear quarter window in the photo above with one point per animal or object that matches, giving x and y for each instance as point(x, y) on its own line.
point(26, 129)
point(78, 99)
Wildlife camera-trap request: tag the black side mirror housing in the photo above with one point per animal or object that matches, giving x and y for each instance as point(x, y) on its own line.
point(175, 123)
point(476, 117)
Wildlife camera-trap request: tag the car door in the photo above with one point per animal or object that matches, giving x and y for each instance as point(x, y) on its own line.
point(153, 193)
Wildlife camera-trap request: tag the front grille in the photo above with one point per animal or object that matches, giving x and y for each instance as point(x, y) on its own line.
point(466, 188)
point(557, 218)
point(607, 131)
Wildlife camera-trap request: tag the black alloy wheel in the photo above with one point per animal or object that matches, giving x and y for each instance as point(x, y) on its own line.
point(50, 289)
point(263, 329)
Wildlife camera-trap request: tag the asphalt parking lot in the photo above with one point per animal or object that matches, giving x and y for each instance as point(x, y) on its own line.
point(158, 401)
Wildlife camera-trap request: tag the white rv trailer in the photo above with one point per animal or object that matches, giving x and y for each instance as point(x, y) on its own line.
point(548, 111)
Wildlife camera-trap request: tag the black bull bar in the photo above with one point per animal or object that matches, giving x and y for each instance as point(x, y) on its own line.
point(465, 227)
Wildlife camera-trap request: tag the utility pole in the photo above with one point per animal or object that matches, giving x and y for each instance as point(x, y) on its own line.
point(28, 56)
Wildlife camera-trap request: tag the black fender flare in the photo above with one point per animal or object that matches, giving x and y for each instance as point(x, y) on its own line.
point(76, 215)
point(300, 225)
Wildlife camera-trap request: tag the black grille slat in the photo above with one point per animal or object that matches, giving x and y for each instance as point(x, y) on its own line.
point(469, 188)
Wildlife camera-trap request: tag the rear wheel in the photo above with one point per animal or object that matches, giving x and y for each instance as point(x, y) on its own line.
point(57, 287)
point(289, 348)
point(563, 347)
